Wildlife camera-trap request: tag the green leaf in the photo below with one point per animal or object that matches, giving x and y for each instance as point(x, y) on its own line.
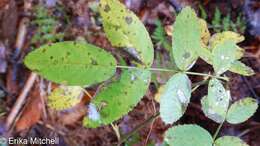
point(206, 55)
point(188, 135)
point(203, 12)
point(220, 38)
point(124, 29)
point(215, 104)
point(186, 40)
point(226, 22)
point(72, 63)
point(119, 97)
point(223, 56)
point(241, 68)
point(65, 97)
point(229, 141)
point(175, 97)
point(241, 110)
point(216, 22)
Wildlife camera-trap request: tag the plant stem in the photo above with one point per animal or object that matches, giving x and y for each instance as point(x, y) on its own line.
point(217, 131)
point(206, 75)
point(116, 129)
point(174, 71)
point(248, 130)
point(128, 135)
point(151, 69)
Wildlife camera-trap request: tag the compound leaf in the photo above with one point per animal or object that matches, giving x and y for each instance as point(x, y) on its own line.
point(72, 63)
point(186, 40)
point(215, 104)
point(223, 56)
point(188, 135)
point(64, 97)
point(229, 141)
point(124, 29)
point(241, 68)
point(119, 97)
point(241, 110)
point(175, 97)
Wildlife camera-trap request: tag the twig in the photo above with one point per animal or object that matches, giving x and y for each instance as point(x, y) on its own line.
point(250, 88)
point(116, 129)
point(20, 100)
point(217, 131)
point(29, 83)
point(174, 71)
point(51, 128)
point(124, 138)
point(151, 127)
point(248, 130)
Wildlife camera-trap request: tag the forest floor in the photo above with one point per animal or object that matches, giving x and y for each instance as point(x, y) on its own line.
point(79, 19)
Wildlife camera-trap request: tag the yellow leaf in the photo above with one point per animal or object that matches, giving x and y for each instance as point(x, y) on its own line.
point(159, 93)
point(205, 34)
point(65, 97)
point(224, 36)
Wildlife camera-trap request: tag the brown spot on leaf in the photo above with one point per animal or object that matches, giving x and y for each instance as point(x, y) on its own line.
point(128, 20)
point(107, 8)
point(186, 55)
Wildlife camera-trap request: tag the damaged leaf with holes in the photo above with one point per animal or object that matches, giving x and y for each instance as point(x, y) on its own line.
point(119, 97)
point(124, 29)
point(186, 39)
point(215, 104)
point(174, 98)
point(188, 135)
point(72, 63)
point(242, 110)
point(65, 97)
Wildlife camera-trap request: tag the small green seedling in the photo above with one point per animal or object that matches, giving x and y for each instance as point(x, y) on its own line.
point(84, 65)
point(225, 23)
point(47, 25)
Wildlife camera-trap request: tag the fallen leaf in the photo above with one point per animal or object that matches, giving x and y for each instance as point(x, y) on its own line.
point(32, 112)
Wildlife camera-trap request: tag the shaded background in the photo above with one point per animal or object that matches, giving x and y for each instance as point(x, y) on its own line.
point(27, 24)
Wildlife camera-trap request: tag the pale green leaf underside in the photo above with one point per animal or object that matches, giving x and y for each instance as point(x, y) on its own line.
point(119, 97)
point(241, 110)
point(224, 55)
point(240, 68)
point(188, 135)
point(175, 97)
point(186, 40)
point(215, 104)
point(124, 29)
point(229, 141)
point(72, 63)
